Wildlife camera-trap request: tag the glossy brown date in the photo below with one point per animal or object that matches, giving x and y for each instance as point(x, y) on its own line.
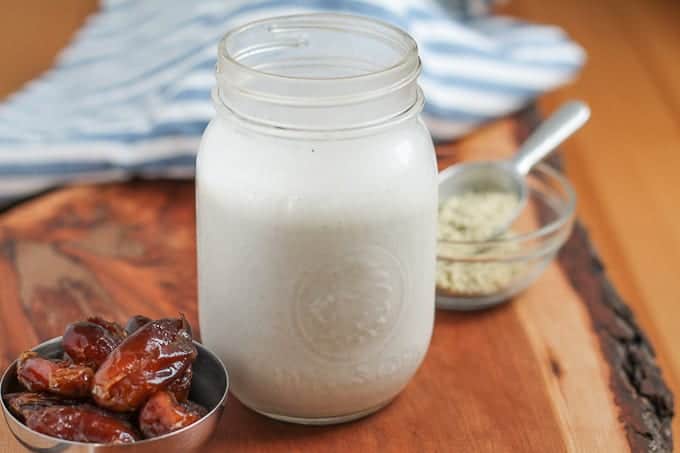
point(163, 414)
point(146, 362)
point(89, 344)
point(135, 323)
point(82, 423)
point(181, 386)
point(22, 404)
point(115, 329)
point(59, 377)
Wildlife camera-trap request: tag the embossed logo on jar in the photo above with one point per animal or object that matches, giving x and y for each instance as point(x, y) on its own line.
point(350, 309)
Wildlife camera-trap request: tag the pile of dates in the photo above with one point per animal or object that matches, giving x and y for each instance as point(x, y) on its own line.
point(113, 385)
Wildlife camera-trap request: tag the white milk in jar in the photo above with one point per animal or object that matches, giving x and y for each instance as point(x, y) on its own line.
point(316, 216)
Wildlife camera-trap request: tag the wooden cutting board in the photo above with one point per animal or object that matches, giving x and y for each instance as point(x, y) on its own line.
point(563, 368)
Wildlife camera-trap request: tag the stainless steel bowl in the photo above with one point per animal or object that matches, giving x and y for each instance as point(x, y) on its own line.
point(209, 388)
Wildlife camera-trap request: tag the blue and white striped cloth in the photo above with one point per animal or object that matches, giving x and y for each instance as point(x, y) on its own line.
point(131, 94)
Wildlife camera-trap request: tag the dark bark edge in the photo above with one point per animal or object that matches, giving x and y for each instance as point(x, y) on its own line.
point(644, 400)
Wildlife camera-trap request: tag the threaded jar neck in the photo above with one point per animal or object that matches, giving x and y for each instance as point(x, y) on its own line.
point(318, 72)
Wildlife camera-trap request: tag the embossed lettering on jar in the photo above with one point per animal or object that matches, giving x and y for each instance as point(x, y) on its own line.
point(316, 217)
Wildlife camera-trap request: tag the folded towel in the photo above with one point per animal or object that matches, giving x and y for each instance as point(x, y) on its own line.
point(131, 93)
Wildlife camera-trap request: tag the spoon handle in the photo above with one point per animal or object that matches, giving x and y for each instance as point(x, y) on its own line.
point(553, 131)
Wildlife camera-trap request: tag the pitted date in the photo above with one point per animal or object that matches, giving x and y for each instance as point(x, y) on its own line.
point(112, 383)
point(82, 423)
point(22, 404)
point(163, 414)
point(147, 361)
point(88, 343)
point(135, 323)
point(59, 377)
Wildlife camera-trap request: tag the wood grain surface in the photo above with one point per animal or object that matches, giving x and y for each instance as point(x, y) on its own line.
point(547, 372)
point(31, 34)
point(625, 163)
point(624, 166)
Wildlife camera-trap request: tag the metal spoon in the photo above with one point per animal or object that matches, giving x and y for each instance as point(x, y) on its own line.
point(509, 175)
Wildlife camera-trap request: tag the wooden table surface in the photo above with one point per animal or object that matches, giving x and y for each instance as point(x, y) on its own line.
point(624, 164)
point(563, 368)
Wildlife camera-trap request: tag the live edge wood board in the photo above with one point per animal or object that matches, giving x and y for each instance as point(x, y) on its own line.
point(563, 368)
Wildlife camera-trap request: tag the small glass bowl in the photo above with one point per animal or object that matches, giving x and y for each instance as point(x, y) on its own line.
point(487, 273)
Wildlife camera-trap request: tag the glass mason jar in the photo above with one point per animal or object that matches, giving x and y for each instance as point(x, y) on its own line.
point(316, 214)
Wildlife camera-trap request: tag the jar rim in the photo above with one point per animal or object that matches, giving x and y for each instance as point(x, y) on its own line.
point(411, 47)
